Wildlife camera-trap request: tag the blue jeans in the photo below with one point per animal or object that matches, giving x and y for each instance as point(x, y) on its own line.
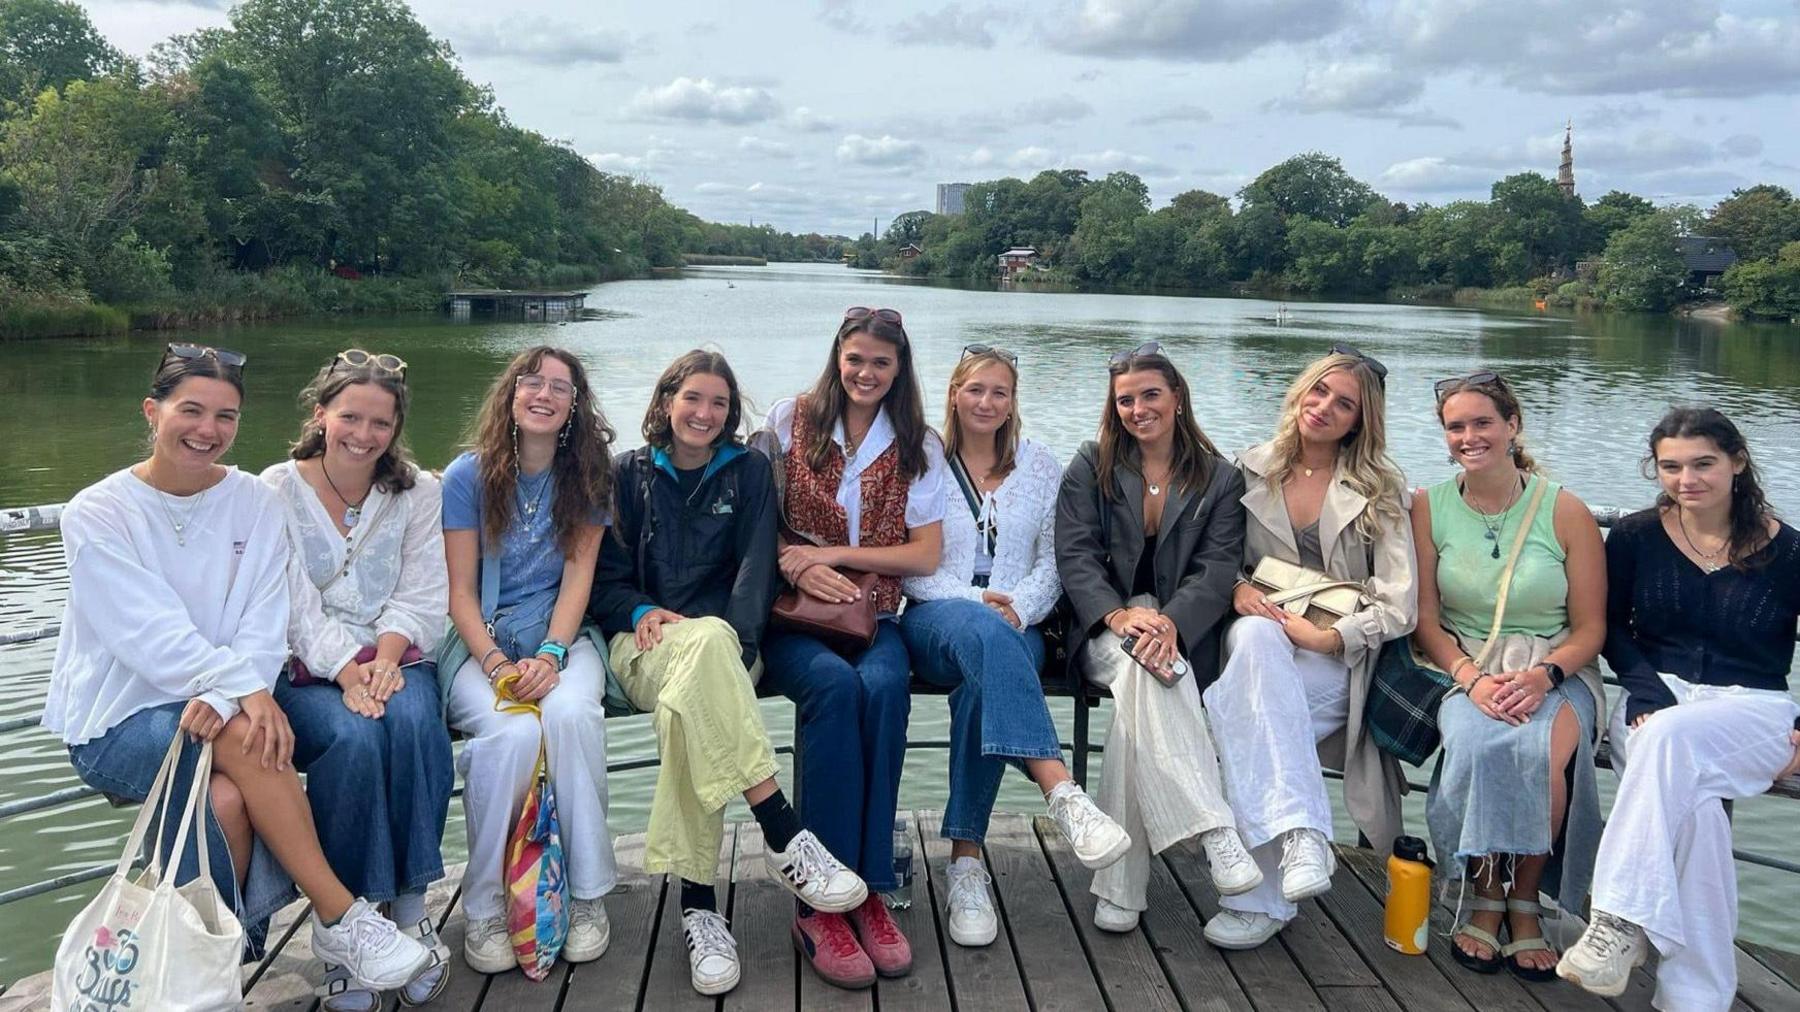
point(379, 789)
point(122, 764)
point(997, 709)
point(852, 724)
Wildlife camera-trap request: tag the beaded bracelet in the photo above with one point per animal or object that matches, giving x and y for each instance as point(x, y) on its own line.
point(485, 670)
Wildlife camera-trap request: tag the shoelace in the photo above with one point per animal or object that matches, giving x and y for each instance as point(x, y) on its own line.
point(373, 933)
point(1299, 848)
point(1606, 935)
point(1077, 816)
point(810, 860)
point(838, 936)
point(487, 927)
point(581, 912)
point(1224, 844)
point(708, 935)
point(877, 922)
point(968, 888)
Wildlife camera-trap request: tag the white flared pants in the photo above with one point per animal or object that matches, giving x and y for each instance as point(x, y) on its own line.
point(1160, 775)
point(1665, 859)
point(1270, 708)
point(497, 764)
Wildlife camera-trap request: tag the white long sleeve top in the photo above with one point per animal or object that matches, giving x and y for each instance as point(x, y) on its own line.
point(151, 621)
point(396, 583)
point(1024, 510)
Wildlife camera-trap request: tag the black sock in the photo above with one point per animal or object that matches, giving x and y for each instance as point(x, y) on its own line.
point(698, 896)
point(776, 817)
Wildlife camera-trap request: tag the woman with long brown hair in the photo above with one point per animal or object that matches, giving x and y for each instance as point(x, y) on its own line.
point(1149, 536)
point(524, 511)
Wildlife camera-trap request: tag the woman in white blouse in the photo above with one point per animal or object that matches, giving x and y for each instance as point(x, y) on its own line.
point(177, 624)
point(369, 595)
point(972, 626)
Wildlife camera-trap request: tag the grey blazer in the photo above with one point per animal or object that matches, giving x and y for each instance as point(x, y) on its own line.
point(1199, 547)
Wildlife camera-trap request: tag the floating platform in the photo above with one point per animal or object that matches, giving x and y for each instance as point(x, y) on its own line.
point(505, 302)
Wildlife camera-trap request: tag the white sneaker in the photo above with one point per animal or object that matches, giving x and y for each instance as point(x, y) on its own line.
point(370, 947)
point(487, 946)
point(339, 993)
point(1241, 929)
point(972, 919)
point(712, 952)
point(1234, 871)
point(589, 931)
point(1602, 961)
point(1307, 865)
point(428, 985)
point(810, 872)
point(1096, 839)
point(1109, 916)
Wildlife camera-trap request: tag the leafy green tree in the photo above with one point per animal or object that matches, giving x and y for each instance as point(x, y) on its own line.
point(1314, 185)
point(1766, 288)
point(1534, 228)
point(1642, 269)
point(1608, 215)
point(1104, 236)
point(47, 44)
point(1319, 258)
point(1758, 221)
point(908, 227)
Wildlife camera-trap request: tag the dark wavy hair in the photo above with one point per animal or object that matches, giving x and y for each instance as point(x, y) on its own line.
point(1506, 402)
point(658, 431)
point(905, 404)
point(1195, 455)
point(583, 461)
point(395, 471)
point(174, 369)
point(1750, 509)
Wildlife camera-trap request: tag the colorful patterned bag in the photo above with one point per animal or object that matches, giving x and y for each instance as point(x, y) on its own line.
point(537, 891)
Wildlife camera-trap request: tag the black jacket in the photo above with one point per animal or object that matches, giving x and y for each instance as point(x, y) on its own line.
point(711, 553)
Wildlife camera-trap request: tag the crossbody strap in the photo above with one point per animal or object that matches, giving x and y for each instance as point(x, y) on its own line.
point(1506, 574)
point(972, 497)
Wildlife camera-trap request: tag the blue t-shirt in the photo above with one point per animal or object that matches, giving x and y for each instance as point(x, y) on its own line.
point(531, 562)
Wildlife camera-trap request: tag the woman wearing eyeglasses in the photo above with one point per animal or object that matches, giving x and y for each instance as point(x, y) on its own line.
point(862, 488)
point(1149, 537)
point(1513, 810)
point(1323, 494)
point(972, 627)
point(524, 511)
point(368, 596)
point(177, 624)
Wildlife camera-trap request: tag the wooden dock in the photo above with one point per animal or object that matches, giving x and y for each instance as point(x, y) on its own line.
point(1048, 957)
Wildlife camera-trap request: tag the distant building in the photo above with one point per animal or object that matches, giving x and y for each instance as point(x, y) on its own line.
point(950, 197)
point(1705, 258)
point(910, 251)
point(1565, 174)
point(1016, 261)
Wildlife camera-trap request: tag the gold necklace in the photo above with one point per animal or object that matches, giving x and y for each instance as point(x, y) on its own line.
point(1710, 565)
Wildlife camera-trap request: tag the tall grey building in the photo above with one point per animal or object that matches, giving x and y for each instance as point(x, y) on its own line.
point(950, 197)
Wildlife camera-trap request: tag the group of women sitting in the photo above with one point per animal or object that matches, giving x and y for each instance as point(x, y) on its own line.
point(298, 623)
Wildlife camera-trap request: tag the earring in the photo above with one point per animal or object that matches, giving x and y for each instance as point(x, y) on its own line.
point(1450, 457)
point(1512, 449)
point(562, 438)
point(515, 441)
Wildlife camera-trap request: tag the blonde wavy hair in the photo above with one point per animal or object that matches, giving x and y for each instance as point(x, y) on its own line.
point(1006, 437)
point(1364, 464)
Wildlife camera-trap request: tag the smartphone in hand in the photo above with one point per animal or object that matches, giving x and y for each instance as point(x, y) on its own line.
point(1169, 675)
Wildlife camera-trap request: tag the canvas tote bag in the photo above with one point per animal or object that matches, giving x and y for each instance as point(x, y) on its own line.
point(144, 943)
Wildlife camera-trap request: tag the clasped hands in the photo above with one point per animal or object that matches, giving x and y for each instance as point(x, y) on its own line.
point(1157, 639)
point(537, 676)
point(811, 569)
point(1248, 600)
point(1508, 696)
point(367, 686)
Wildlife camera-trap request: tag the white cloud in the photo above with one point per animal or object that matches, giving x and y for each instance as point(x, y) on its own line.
point(806, 120)
point(1368, 86)
point(1741, 146)
point(540, 40)
point(1099, 163)
point(1050, 110)
point(885, 151)
point(701, 100)
point(765, 146)
point(614, 161)
point(1195, 30)
point(1434, 174)
point(1175, 114)
point(949, 26)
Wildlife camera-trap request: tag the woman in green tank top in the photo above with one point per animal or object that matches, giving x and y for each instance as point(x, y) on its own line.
point(1513, 809)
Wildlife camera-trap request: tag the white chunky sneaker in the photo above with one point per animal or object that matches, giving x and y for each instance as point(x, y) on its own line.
point(712, 952)
point(1307, 865)
point(487, 947)
point(370, 947)
point(1234, 871)
point(1093, 835)
point(1109, 916)
point(589, 931)
point(1602, 961)
point(428, 985)
point(972, 919)
point(810, 872)
point(1241, 929)
point(339, 993)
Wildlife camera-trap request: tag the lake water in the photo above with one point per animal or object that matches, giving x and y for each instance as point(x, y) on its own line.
point(1591, 385)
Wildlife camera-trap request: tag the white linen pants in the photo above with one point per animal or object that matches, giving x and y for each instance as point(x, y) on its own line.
point(1270, 708)
point(497, 764)
point(1160, 776)
point(1665, 859)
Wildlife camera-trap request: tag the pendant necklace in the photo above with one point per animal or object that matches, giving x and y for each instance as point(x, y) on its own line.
point(1155, 486)
point(352, 511)
point(180, 525)
point(1494, 523)
point(531, 506)
point(1711, 565)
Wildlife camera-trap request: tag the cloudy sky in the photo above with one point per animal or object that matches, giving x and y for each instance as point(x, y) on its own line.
point(826, 114)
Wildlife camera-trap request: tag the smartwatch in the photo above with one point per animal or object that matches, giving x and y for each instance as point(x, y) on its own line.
point(1555, 671)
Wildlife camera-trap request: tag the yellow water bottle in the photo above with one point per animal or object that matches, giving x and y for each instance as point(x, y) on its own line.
point(1408, 921)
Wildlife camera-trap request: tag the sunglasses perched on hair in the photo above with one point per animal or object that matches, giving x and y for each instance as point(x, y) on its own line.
point(1371, 361)
point(884, 315)
point(224, 356)
point(1478, 378)
point(987, 349)
point(1142, 350)
point(356, 358)
point(533, 383)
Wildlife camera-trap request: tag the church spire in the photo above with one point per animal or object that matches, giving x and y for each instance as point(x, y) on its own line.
point(1565, 175)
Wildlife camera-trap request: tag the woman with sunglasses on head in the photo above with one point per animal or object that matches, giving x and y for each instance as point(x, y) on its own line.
point(684, 590)
point(177, 624)
point(1703, 592)
point(1513, 809)
point(1323, 495)
point(368, 595)
point(972, 626)
point(1149, 537)
point(862, 488)
point(524, 511)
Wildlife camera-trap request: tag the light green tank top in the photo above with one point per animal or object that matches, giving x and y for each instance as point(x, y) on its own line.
point(1468, 574)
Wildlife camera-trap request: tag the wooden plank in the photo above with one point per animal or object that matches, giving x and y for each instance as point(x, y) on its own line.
point(1417, 984)
point(670, 982)
point(1786, 964)
point(1043, 938)
point(761, 912)
point(1762, 987)
point(1358, 999)
point(612, 981)
point(1128, 970)
point(285, 979)
point(1175, 930)
point(980, 978)
point(466, 987)
point(1267, 973)
point(440, 899)
point(927, 986)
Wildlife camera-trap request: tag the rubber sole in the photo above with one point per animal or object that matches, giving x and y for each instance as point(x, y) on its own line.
point(805, 949)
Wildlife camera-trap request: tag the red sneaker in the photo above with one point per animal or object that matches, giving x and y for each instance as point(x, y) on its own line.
point(828, 943)
point(881, 938)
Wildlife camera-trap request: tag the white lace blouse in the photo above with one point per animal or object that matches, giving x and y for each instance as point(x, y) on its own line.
point(1024, 510)
point(397, 583)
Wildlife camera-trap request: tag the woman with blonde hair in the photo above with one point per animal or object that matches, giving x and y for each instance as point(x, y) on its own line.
point(972, 627)
point(1323, 495)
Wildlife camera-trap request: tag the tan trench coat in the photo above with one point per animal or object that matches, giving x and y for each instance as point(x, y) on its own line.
point(1373, 782)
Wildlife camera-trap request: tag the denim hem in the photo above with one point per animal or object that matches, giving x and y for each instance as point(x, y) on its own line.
point(1020, 752)
point(965, 835)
